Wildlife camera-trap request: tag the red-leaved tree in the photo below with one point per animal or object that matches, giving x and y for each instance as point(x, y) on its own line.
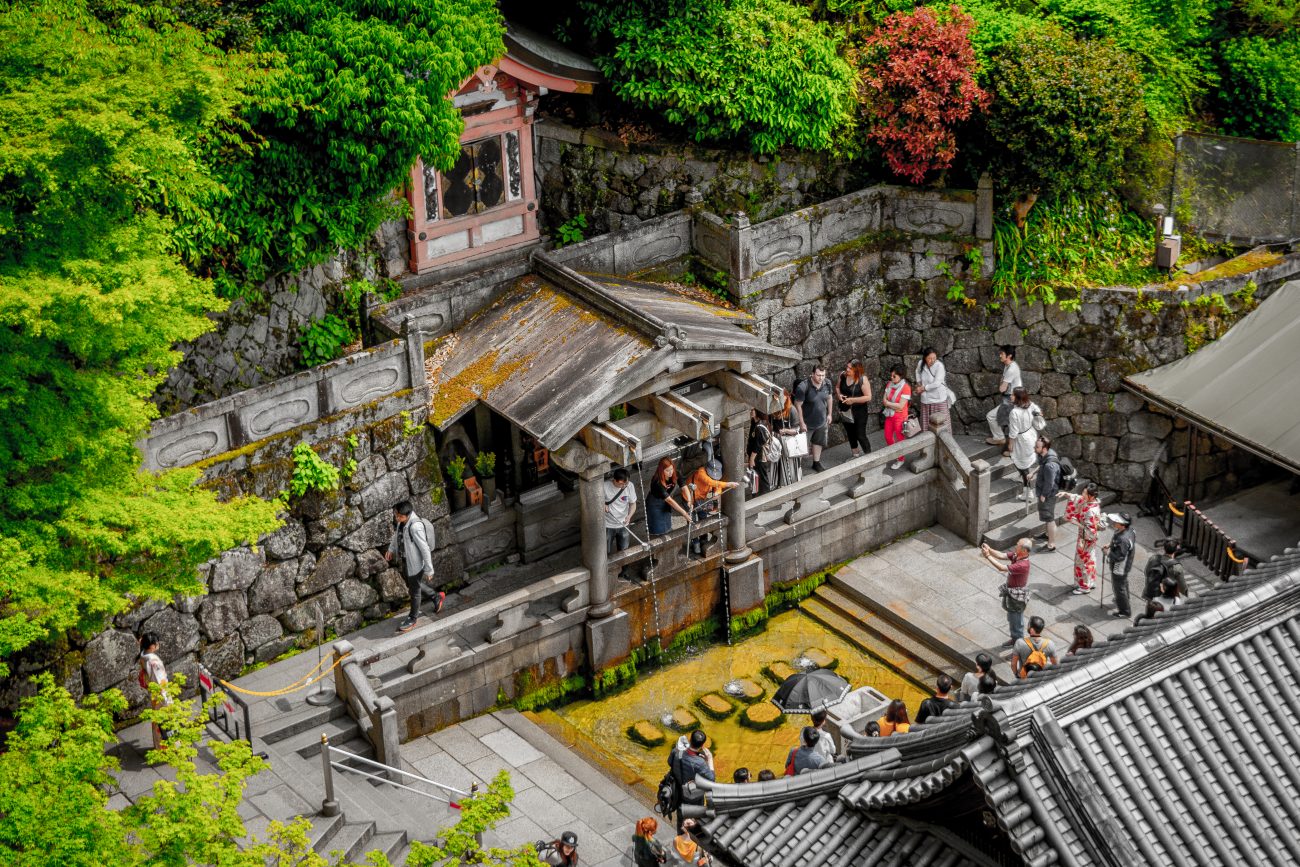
point(917, 84)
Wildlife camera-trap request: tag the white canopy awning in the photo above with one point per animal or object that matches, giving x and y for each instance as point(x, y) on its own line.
point(1245, 386)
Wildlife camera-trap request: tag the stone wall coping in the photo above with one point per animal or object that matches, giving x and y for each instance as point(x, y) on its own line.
point(1288, 267)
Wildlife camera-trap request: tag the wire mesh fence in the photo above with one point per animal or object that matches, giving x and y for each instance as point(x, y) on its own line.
point(1239, 190)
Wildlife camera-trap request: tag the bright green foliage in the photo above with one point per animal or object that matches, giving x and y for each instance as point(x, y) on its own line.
point(97, 140)
point(1072, 243)
point(358, 91)
point(324, 339)
point(479, 812)
point(758, 72)
point(55, 778)
point(1273, 16)
point(571, 231)
point(1260, 94)
point(311, 472)
point(1064, 113)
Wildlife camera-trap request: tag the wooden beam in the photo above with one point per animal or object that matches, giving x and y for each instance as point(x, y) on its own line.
point(750, 389)
point(611, 441)
point(681, 414)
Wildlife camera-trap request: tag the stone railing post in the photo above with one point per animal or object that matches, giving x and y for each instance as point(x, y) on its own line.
point(384, 735)
point(413, 339)
point(977, 515)
point(733, 501)
point(341, 687)
point(594, 552)
point(741, 243)
point(984, 209)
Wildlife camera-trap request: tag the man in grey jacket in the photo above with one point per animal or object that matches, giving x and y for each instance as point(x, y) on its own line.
point(1047, 484)
point(413, 546)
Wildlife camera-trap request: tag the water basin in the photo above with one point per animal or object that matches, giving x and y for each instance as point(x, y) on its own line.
point(657, 693)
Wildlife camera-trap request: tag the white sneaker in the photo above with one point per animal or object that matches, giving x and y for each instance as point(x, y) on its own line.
point(898, 464)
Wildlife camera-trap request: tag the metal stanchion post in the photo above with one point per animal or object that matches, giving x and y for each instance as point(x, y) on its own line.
point(322, 695)
point(328, 807)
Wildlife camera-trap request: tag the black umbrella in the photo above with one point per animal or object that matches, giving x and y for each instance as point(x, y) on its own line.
point(809, 692)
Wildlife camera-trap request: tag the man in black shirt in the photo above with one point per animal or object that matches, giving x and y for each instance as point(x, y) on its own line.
point(934, 707)
point(1120, 555)
point(812, 404)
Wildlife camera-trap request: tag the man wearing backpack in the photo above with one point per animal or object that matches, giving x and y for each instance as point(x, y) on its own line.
point(1046, 486)
point(686, 765)
point(1033, 652)
point(413, 543)
point(1163, 565)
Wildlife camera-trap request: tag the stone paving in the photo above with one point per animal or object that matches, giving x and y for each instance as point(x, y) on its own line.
point(941, 585)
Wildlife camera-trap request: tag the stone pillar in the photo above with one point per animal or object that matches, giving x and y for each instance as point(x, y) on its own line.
point(594, 557)
point(734, 434)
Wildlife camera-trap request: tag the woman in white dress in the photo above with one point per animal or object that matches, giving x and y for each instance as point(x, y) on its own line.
point(932, 389)
point(152, 670)
point(1025, 422)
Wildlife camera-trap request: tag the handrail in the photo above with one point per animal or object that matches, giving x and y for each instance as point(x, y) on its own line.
point(1215, 548)
point(385, 767)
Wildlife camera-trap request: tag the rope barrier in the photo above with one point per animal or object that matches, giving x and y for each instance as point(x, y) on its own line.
point(1177, 514)
point(1232, 555)
point(302, 683)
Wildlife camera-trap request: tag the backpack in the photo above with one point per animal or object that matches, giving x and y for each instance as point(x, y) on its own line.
point(666, 796)
point(1036, 656)
point(789, 762)
point(428, 537)
point(1156, 572)
point(1069, 475)
point(772, 451)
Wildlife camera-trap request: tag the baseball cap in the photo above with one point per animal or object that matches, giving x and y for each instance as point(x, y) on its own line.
point(568, 838)
point(1120, 518)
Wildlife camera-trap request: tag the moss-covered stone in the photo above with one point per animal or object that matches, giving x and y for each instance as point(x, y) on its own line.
point(683, 720)
point(820, 658)
point(715, 706)
point(779, 672)
point(762, 717)
point(749, 691)
point(646, 733)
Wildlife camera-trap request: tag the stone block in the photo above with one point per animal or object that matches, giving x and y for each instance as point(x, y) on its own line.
point(1127, 402)
point(406, 451)
point(1068, 446)
point(1043, 336)
point(1110, 372)
point(984, 383)
point(259, 630)
point(927, 267)
point(380, 496)
point(370, 563)
point(111, 657)
point(274, 649)
point(285, 543)
point(302, 616)
point(224, 658)
point(1069, 361)
point(355, 595)
point(375, 532)
point(178, 634)
point(963, 361)
point(235, 570)
point(332, 527)
point(973, 338)
point(333, 566)
point(392, 587)
point(131, 620)
point(609, 640)
point(1008, 335)
point(274, 588)
point(1033, 381)
point(1131, 480)
point(1099, 450)
point(1054, 384)
point(745, 584)
point(1083, 383)
point(1032, 359)
point(1096, 403)
point(897, 266)
point(1029, 313)
point(805, 290)
point(222, 613)
point(369, 470)
point(1057, 427)
point(346, 623)
point(790, 326)
point(1138, 448)
point(1114, 424)
point(1087, 423)
point(1150, 424)
point(903, 341)
point(1069, 405)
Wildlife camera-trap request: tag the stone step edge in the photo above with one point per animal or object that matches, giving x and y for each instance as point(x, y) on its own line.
point(920, 674)
point(847, 618)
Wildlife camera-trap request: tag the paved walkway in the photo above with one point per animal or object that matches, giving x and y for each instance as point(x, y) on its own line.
point(940, 584)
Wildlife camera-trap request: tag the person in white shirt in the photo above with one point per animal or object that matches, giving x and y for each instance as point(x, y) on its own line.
point(1023, 425)
point(620, 506)
point(152, 670)
point(999, 416)
point(932, 389)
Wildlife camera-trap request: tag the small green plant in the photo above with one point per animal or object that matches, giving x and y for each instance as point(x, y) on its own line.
point(617, 412)
point(462, 843)
point(311, 472)
point(324, 339)
point(957, 288)
point(409, 426)
point(1245, 296)
point(1194, 336)
point(1149, 303)
point(485, 464)
point(899, 308)
point(456, 472)
point(571, 231)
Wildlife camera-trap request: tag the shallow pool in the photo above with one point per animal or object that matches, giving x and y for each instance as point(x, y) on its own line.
point(658, 692)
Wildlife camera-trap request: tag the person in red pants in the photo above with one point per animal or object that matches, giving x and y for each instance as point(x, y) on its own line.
point(897, 399)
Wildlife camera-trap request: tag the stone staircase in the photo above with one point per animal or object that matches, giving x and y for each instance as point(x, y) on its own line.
point(1008, 518)
point(372, 815)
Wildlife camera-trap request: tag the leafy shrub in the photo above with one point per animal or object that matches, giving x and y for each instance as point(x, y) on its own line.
point(1064, 113)
point(324, 339)
point(311, 472)
point(1260, 93)
point(571, 231)
point(485, 464)
point(758, 72)
point(918, 82)
point(456, 470)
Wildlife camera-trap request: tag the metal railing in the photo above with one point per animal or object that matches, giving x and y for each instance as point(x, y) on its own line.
point(1213, 547)
point(1160, 504)
point(1237, 189)
point(228, 714)
point(330, 805)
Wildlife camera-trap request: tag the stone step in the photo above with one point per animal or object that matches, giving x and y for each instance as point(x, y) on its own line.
point(918, 628)
point(307, 742)
point(392, 844)
point(276, 727)
point(914, 665)
point(323, 831)
point(351, 840)
point(1008, 521)
point(1004, 490)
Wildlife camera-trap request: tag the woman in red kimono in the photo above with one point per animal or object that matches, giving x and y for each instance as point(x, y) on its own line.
point(1084, 509)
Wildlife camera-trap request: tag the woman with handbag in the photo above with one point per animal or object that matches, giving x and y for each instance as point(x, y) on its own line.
point(788, 468)
point(853, 397)
point(1023, 425)
point(897, 399)
point(152, 670)
point(931, 389)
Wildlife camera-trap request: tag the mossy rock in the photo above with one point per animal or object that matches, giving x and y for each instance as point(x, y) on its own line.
point(646, 733)
point(684, 721)
point(715, 706)
point(762, 717)
point(779, 671)
point(821, 659)
point(750, 691)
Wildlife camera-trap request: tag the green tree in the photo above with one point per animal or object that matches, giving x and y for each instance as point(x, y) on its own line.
point(758, 72)
point(98, 138)
point(1065, 111)
point(356, 91)
point(1260, 93)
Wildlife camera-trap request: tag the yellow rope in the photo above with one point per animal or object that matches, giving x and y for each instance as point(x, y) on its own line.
point(1233, 557)
point(1177, 513)
point(302, 683)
